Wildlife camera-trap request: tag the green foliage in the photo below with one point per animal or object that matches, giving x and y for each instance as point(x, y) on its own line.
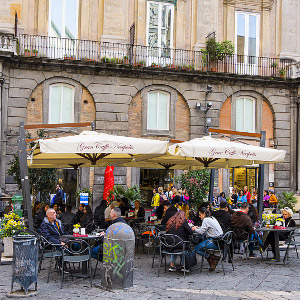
point(216, 51)
point(40, 180)
point(287, 199)
point(84, 190)
point(281, 72)
point(131, 193)
point(197, 184)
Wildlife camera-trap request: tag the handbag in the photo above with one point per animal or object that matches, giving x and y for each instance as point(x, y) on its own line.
point(190, 259)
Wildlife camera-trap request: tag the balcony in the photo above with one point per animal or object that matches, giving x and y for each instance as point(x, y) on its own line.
point(142, 56)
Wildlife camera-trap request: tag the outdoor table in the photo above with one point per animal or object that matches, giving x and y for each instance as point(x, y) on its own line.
point(91, 241)
point(276, 237)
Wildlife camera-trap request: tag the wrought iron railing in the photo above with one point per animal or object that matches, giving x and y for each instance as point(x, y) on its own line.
point(144, 56)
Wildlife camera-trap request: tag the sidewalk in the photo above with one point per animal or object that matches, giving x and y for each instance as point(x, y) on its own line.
point(252, 279)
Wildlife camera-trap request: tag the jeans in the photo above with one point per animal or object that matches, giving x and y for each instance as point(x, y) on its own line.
point(208, 244)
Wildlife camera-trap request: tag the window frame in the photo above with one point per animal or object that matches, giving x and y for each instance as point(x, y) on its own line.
point(244, 119)
point(247, 14)
point(64, 18)
point(61, 102)
point(158, 110)
point(160, 4)
point(170, 132)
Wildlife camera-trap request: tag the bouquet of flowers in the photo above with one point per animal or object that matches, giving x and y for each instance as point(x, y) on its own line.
point(76, 226)
point(10, 224)
point(270, 218)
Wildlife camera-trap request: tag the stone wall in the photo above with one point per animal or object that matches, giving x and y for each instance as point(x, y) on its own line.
point(116, 93)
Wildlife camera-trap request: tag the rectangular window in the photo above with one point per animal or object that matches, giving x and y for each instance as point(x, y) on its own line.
point(158, 111)
point(245, 115)
point(63, 16)
point(247, 37)
point(160, 19)
point(61, 104)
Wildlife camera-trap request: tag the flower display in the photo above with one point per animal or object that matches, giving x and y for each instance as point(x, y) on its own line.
point(76, 226)
point(10, 224)
point(270, 218)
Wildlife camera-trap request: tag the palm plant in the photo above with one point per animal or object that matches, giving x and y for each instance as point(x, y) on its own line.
point(287, 199)
point(131, 193)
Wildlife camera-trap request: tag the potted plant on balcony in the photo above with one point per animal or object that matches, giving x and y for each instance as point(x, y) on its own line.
point(69, 57)
point(105, 59)
point(217, 51)
point(125, 60)
point(28, 52)
point(281, 73)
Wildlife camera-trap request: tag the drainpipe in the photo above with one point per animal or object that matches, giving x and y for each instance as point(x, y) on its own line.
point(297, 144)
point(1, 118)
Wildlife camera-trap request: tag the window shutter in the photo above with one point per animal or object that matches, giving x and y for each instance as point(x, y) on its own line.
point(163, 115)
point(67, 107)
point(249, 115)
point(152, 111)
point(239, 115)
point(55, 95)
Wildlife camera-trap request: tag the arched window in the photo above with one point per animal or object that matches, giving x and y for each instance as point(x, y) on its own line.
point(61, 104)
point(158, 110)
point(245, 114)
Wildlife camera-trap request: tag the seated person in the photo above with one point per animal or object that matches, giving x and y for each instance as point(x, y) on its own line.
point(79, 213)
point(288, 222)
point(253, 214)
point(99, 212)
point(170, 210)
point(222, 216)
point(179, 226)
point(161, 209)
point(108, 209)
point(139, 211)
point(212, 229)
point(51, 228)
point(68, 219)
point(241, 198)
point(40, 216)
point(87, 217)
point(243, 228)
point(124, 206)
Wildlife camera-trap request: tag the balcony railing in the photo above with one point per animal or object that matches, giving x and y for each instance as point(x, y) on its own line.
point(8, 43)
point(143, 56)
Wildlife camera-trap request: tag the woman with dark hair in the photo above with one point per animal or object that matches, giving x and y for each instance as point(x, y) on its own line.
point(87, 217)
point(37, 221)
point(124, 206)
point(179, 226)
point(253, 213)
point(79, 213)
point(212, 229)
point(36, 208)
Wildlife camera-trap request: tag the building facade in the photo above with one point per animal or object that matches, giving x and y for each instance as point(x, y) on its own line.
point(135, 68)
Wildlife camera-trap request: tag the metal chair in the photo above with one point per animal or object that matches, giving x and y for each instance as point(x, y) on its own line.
point(50, 251)
point(171, 244)
point(238, 237)
point(224, 245)
point(76, 252)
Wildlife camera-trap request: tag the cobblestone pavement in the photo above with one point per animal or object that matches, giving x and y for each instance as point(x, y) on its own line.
point(252, 279)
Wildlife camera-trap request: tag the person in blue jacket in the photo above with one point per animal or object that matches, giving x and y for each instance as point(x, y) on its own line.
point(52, 228)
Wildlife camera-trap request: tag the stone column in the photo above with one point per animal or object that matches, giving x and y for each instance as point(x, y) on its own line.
point(115, 22)
point(207, 20)
point(290, 30)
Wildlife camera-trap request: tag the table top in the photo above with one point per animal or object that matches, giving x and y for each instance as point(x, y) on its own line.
point(89, 237)
point(151, 224)
point(288, 229)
